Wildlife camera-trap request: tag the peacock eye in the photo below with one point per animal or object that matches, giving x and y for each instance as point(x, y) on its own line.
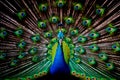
point(80, 39)
point(92, 34)
point(90, 60)
point(34, 49)
point(101, 55)
point(77, 7)
point(111, 29)
point(23, 43)
point(69, 20)
point(35, 59)
point(100, 11)
point(37, 38)
point(60, 4)
point(92, 46)
point(108, 29)
point(114, 46)
point(4, 54)
point(48, 35)
point(22, 14)
point(44, 8)
point(4, 33)
point(20, 31)
point(41, 24)
point(72, 32)
point(54, 20)
point(108, 65)
point(15, 61)
point(84, 22)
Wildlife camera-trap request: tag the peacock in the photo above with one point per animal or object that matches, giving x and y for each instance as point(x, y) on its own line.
point(59, 40)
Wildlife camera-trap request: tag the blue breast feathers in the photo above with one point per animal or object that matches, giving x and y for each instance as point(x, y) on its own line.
point(59, 65)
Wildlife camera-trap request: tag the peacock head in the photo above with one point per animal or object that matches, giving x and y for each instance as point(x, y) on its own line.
point(60, 36)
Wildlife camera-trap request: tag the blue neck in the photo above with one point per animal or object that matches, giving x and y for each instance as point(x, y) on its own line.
point(59, 65)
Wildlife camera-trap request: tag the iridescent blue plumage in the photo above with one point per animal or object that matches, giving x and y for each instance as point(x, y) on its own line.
point(59, 65)
point(60, 35)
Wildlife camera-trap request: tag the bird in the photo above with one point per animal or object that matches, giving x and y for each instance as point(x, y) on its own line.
point(59, 40)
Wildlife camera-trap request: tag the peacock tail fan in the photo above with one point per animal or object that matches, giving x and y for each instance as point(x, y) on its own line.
point(70, 39)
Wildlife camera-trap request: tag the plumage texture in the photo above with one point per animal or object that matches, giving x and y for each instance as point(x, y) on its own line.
point(29, 40)
point(59, 65)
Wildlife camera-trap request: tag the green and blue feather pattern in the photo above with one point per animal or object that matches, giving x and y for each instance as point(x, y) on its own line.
point(73, 39)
